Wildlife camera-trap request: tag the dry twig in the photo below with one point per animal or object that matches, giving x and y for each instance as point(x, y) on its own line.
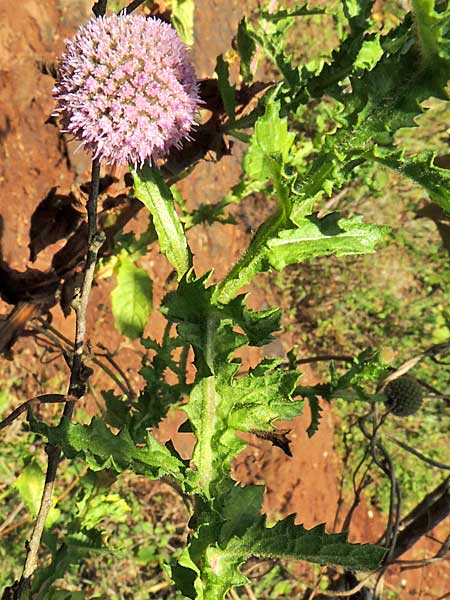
point(77, 384)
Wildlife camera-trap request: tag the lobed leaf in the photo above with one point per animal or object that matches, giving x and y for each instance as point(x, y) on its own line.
point(102, 449)
point(320, 237)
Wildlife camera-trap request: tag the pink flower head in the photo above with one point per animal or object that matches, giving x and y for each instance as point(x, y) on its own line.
point(126, 88)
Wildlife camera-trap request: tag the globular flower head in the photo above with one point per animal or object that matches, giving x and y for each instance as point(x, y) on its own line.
point(126, 88)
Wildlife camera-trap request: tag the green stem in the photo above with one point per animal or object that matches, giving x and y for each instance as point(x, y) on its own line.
point(425, 18)
point(250, 262)
point(203, 456)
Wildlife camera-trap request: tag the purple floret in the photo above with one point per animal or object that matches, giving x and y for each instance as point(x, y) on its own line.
point(126, 88)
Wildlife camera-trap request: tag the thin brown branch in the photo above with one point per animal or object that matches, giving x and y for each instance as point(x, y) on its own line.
point(325, 358)
point(345, 593)
point(4, 532)
point(11, 517)
point(425, 504)
point(431, 352)
point(43, 399)
point(132, 6)
point(77, 384)
point(429, 461)
point(408, 565)
point(57, 339)
point(445, 547)
point(427, 515)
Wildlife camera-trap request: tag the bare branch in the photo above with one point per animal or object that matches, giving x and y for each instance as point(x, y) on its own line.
point(346, 593)
point(433, 509)
point(99, 8)
point(132, 6)
point(43, 399)
point(77, 384)
point(422, 457)
point(432, 352)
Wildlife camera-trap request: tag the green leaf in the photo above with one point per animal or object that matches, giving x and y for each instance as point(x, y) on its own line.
point(132, 298)
point(246, 48)
point(287, 540)
point(202, 322)
point(271, 140)
point(30, 485)
point(320, 237)
point(315, 410)
point(288, 13)
point(104, 506)
point(182, 17)
point(152, 191)
point(432, 36)
point(211, 568)
point(117, 409)
point(227, 91)
point(102, 449)
point(244, 535)
point(421, 169)
point(369, 54)
point(220, 406)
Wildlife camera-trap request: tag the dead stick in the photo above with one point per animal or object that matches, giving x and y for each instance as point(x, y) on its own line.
point(77, 385)
point(43, 399)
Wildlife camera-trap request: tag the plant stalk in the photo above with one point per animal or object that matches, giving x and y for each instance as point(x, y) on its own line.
point(77, 384)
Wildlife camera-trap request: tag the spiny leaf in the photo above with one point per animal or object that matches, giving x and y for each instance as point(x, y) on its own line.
point(271, 140)
point(320, 237)
point(214, 565)
point(191, 306)
point(132, 298)
point(421, 169)
point(288, 540)
point(432, 37)
point(219, 406)
point(152, 191)
point(249, 536)
point(102, 449)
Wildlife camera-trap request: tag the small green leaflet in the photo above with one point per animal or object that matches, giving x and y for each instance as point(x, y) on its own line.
point(321, 237)
point(270, 140)
point(132, 298)
point(369, 54)
point(99, 507)
point(30, 484)
point(182, 18)
point(227, 91)
point(152, 191)
point(102, 449)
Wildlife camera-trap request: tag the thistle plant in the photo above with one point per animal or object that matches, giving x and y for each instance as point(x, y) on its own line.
point(126, 88)
point(128, 92)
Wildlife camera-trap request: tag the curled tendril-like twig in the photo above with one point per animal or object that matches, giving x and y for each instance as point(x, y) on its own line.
point(42, 399)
